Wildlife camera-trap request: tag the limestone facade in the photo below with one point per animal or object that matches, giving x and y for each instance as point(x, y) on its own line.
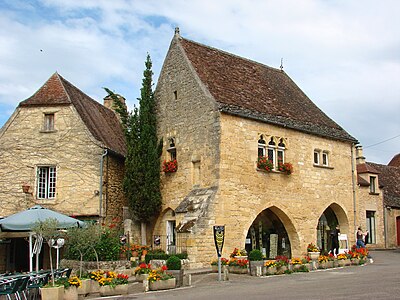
point(218, 183)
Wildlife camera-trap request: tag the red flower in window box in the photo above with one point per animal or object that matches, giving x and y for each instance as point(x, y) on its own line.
point(285, 168)
point(264, 164)
point(170, 166)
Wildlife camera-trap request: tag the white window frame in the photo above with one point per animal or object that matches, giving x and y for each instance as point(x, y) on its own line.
point(46, 182)
point(172, 149)
point(261, 146)
point(316, 155)
point(372, 184)
point(325, 156)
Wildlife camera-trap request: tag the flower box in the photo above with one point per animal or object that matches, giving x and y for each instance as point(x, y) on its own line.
point(141, 277)
point(281, 270)
point(108, 290)
point(52, 293)
point(270, 271)
point(162, 284)
point(85, 287)
point(256, 268)
point(313, 255)
point(71, 293)
point(355, 261)
point(238, 270)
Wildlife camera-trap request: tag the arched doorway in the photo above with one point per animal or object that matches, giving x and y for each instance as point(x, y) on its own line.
point(327, 222)
point(268, 234)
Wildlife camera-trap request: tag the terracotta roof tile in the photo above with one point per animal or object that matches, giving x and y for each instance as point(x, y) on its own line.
point(361, 181)
point(102, 122)
point(389, 179)
point(366, 168)
point(252, 90)
point(395, 162)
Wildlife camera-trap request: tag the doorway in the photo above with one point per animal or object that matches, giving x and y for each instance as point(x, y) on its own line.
point(326, 223)
point(171, 237)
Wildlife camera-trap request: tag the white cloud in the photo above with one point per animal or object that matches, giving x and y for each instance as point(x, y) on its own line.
point(343, 54)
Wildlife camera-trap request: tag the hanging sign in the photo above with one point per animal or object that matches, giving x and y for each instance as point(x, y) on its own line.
point(219, 235)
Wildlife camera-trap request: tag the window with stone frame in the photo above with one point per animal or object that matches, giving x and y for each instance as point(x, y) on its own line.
point(261, 146)
point(372, 184)
point(281, 151)
point(48, 122)
point(271, 152)
point(46, 182)
point(172, 149)
point(316, 156)
point(325, 158)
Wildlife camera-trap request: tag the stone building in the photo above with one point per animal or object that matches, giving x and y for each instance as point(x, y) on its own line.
point(217, 113)
point(389, 184)
point(64, 151)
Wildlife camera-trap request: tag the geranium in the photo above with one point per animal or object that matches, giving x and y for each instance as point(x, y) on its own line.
point(270, 263)
point(238, 262)
point(264, 164)
point(136, 250)
point(306, 259)
point(282, 260)
point(296, 261)
point(224, 262)
point(238, 252)
point(170, 166)
point(143, 269)
point(312, 248)
point(285, 168)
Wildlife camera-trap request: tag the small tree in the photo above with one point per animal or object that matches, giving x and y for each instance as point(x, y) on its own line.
point(142, 162)
point(48, 229)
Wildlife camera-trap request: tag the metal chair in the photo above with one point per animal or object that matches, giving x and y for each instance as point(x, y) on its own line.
point(11, 287)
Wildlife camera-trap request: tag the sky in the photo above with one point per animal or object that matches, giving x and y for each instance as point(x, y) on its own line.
point(345, 55)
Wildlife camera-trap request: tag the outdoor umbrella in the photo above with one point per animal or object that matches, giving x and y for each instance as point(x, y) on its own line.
point(27, 219)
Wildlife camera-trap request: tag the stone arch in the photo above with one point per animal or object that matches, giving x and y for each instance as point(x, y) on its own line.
point(331, 216)
point(278, 234)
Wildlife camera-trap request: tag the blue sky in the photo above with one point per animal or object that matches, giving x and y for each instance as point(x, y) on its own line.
point(345, 55)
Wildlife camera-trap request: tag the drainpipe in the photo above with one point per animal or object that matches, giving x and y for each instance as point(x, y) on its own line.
point(101, 183)
point(354, 184)
point(385, 224)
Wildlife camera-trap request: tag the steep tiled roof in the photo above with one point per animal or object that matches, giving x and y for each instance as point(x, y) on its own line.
point(395, 162)
point(389, 179)
point(366, 168)
point(102, 122)
point(252, 90)
point(361, 181)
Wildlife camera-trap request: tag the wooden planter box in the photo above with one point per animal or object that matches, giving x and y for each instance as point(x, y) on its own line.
point(162, 284)
point(71, 293)
point(108, 290)
point(52, 293)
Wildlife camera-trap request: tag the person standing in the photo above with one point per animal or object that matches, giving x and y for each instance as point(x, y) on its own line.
point(335, 240)
point(360, 238)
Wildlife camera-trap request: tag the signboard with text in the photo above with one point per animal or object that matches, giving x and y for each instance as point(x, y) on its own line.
point(219, 236)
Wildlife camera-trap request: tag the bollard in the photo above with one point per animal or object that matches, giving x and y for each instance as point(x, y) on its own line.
point(226, 274)
point(145, 285)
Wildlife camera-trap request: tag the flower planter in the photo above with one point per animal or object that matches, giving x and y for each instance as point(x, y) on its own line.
point(313, 255)
point(330, 264)
point(141, 277)
point(296, 267)
point(281, 270)
point(162, 284)
point(178, 274)
point(323, 265)
point(237, 270)
point(85, 287)
point(108, 290)
point(270, 271)
point(342, 262)
point(355, 261)
point(94, 286)
point(256, 268)
point(52, 293)
point(71, 293)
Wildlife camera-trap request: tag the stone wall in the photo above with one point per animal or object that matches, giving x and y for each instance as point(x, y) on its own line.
point(71, 148)
point(391, 215)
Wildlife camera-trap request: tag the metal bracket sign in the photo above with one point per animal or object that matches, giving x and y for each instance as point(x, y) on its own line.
point(219, 235)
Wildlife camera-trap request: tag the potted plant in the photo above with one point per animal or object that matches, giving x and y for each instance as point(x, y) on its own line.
point(174, 267)
point(256, 262)
point(313, 251)
point(295, 264)
point(286, 168)
point(342, 260)
point(264, 164)
point(282, 263)
point(70, 287)
point(323, 261)
point(142, 272)
point(214, 264)
point(238, 266)
point(159, 279)
point(170, 166)
point(112, 284)
point(269, 267)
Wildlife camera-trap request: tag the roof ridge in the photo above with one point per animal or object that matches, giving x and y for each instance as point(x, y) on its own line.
point(232, 54)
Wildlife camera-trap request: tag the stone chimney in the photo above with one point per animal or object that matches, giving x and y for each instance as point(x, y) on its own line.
point(109, 103)
point(360, 159)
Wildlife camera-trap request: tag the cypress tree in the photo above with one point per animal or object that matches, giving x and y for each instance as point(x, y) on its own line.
point(142, 163)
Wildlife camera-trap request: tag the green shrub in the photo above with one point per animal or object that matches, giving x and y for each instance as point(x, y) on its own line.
point(174, 263)
point(255, 255)
point(160, 254)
